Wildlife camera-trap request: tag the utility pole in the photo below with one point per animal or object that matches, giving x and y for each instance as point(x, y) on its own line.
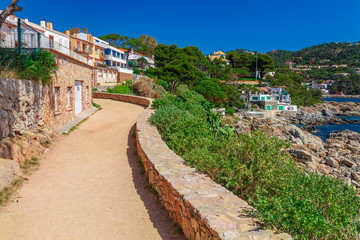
point(256, 73)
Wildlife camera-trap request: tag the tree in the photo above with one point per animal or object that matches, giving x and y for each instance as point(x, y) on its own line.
point(114, 39)
point(150, 42)
point(172, 66)
point(142, 63)
point(265, 64)
point(211, 91)
point(84, 30)
point(9, 10)
point(74, 30)
point(133, 44)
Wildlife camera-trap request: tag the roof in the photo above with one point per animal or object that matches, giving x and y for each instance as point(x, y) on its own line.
point(212, 57)
point(219, 53)
point(263, 89)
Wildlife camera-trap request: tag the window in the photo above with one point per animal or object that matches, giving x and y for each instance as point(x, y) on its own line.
point(68, 95)
point(60, 41)
point(56, 98)
point(96, 50)
point(255, 98)
point(32, 37)
point(122, 56)
point(87, 93)
point(100, 72)
point(268, 98)
point(107, 51)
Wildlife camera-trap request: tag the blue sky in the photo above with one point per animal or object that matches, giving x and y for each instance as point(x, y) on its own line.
point(211, 25)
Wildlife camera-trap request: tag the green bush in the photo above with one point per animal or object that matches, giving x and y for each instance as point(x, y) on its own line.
point(256, 168)
point(230, 111)
point(137, 71)
point(37, 66)
point(119, 89)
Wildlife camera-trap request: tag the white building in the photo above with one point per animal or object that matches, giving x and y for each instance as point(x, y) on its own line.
point(270, 98)
point(134, 56)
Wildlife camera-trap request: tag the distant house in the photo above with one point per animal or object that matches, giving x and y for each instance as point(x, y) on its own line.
point(219, 55)
point(270, 98)
point(342, 74)
point(134, 57)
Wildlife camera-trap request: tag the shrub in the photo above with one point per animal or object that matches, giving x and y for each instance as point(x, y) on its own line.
point(164, 84)
point(119, 89)
point(142, 86)
point(157, 92)
point(137, 71)
point(37, 66)
point(230, 111)
point(256, 168)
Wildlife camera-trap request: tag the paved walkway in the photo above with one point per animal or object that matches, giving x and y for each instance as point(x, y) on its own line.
point(89, 187)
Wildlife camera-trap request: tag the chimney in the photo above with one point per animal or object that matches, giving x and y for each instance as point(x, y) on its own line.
point(42, 23)
point(49, 25)
point(26, 21)
point(67, 32)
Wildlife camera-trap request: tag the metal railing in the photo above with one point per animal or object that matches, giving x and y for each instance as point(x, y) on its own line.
point(30, 42)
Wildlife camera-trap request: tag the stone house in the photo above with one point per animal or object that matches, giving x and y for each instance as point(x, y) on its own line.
point(219, 55)
point(70, 92)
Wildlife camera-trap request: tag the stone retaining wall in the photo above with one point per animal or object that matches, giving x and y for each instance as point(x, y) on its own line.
point(21, 106)
point(204, 209)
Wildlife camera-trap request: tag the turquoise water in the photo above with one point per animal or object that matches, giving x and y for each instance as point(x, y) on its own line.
point(326, 129)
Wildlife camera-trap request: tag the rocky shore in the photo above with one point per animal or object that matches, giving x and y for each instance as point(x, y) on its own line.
point(323, 113)
point(339, 156)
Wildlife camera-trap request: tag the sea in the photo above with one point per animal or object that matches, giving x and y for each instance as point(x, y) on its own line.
point(324, 131)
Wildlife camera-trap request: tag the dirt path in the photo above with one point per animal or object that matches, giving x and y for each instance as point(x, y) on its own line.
point(89, 187)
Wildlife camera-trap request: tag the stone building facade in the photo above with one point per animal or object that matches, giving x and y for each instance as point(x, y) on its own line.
point(122, 77)
point(70, 92)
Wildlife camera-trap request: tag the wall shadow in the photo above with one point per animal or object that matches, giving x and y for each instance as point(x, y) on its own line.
point(158, 214)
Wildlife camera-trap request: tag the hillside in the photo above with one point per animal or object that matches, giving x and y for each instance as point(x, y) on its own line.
point(326, 54)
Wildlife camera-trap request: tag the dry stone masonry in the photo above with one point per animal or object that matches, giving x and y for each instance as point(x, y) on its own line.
point(21, 106)
point(204, 209)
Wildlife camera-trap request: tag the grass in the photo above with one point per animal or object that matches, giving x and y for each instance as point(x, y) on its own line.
point(152, 190)
point(7, 192)
point(140, 165)
point(98, 106)
point(178, 228)
point(26, 166)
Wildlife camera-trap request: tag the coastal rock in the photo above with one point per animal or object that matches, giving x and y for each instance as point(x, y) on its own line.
point(332, 162)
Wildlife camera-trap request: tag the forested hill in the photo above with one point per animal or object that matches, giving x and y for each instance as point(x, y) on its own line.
point(323, 54)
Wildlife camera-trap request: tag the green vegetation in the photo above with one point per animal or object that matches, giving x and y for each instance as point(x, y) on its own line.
point(336, 53)
point(348, 85)
point(300, 95)
point(75, 126)
point(96, 105)
point(188, 66)
point(7, 192)
point(119, 89)
point(257, 168)
point(37, 66)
